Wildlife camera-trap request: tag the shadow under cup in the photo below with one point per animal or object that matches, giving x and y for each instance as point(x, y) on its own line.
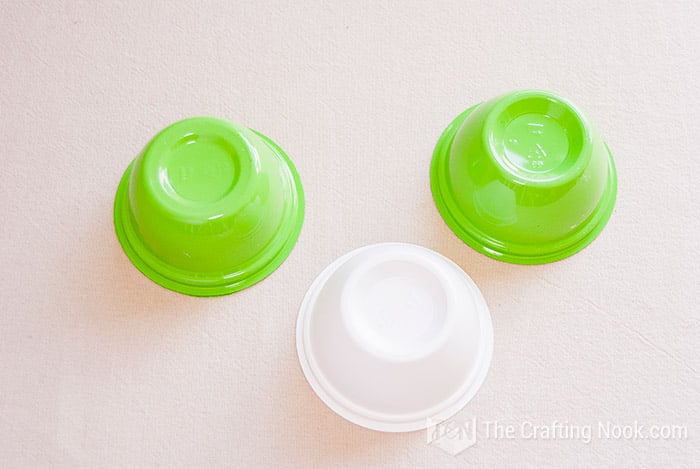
point(524, 178)
point(209, 208)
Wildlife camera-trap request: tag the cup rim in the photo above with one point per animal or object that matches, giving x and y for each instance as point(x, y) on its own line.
point(361, 416)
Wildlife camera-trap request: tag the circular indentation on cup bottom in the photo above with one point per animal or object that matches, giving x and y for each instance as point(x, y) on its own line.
point(398, 309)
point(202, 169)
point(535, 142)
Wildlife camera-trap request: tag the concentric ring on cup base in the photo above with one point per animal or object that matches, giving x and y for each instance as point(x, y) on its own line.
point(481, 241)
point(208, 284)
point(378, 329)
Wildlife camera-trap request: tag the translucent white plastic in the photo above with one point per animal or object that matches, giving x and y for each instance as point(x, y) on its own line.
point(391, 335)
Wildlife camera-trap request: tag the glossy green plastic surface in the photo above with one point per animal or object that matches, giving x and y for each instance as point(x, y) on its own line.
point(524, 178)
point(209, 207)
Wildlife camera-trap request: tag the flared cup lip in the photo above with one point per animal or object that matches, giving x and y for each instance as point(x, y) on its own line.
point(191, 283)
point(480, 241)
point(386, 422)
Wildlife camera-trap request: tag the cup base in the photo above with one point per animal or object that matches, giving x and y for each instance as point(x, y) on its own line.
point(479, 241)
point(195, 283)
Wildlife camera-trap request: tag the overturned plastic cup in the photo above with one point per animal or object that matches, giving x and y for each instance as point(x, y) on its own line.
point(209, 207)
point(524, 178)
point(394, 337)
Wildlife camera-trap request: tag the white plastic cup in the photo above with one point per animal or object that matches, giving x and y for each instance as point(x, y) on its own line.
point(394, 337)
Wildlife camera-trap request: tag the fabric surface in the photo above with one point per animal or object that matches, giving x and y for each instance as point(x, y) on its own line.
point(99, 367)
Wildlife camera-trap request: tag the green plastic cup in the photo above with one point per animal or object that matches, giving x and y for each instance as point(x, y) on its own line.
point(209, 207)
point(524, 178)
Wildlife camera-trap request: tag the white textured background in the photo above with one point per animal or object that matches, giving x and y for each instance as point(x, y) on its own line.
point(99, 367)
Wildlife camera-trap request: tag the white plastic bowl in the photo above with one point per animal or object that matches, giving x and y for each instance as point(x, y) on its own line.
point(394, 337)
